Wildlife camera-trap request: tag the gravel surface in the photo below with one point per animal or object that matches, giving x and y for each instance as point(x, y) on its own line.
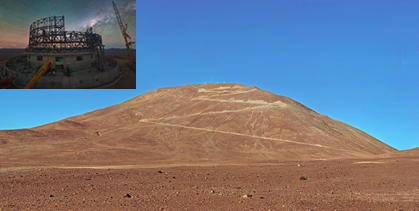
point(385, 184)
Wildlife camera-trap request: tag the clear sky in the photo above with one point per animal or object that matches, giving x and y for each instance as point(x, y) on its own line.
point(355, 61)
point(16, 16)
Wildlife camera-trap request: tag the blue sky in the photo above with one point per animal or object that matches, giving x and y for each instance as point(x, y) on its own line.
point(354, 61)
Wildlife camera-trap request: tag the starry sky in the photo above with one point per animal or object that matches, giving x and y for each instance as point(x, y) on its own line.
point(355, 61)
point(16, 17)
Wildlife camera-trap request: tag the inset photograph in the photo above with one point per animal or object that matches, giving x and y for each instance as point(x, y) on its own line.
point(68, 44)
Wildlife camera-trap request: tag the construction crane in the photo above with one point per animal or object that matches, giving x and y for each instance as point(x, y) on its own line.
point(40, 72)
point(124, 27)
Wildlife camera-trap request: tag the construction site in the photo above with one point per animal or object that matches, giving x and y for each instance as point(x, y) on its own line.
point(60, 59)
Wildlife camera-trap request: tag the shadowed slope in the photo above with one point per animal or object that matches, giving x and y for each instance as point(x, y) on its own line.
point(190, 124)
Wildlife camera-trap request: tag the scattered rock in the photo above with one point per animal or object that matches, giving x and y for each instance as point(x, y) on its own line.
point(212, 191)
point(127, 196)
point(160, 172)
point(51, 196)
point(247, 196)
point(303, 178)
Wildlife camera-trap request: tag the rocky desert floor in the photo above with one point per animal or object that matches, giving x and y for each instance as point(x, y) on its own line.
point(204, 147)
point(349, 184)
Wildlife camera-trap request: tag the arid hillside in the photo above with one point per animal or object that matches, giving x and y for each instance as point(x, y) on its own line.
point(204, 147)
point(195, 124)
point(410, 153)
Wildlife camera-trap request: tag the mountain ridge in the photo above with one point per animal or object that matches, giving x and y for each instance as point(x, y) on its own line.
point(194, 123)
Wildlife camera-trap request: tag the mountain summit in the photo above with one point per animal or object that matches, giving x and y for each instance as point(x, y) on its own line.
point(209, 123)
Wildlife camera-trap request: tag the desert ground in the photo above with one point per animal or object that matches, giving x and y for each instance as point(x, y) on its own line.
point(347, 184)
point(128, 80)
point(204, 147)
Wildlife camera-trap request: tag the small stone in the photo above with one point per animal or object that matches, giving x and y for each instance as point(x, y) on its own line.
point(303, 178)
point(51, 196)
point(160, 172)
point(212, 191)
point(247, 196)
point(127, 196)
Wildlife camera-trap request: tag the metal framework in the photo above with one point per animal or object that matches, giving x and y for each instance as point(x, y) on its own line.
point(124, 33)
point(48, 34)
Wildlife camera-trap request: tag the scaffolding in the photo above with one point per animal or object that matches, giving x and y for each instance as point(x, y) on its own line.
point(49, 35)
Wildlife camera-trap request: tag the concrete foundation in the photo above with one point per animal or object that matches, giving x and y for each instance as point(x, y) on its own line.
point(71, 71)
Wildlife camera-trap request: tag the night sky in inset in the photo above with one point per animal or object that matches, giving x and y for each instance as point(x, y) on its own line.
point(16, 17)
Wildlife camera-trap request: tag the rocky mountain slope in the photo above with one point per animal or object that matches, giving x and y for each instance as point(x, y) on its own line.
point(209, 123)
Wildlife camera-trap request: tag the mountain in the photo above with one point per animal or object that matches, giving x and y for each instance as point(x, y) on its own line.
point(208, 123)
point(410, 153)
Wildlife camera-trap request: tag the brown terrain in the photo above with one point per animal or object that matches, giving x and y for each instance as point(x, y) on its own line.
point(204, 147)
